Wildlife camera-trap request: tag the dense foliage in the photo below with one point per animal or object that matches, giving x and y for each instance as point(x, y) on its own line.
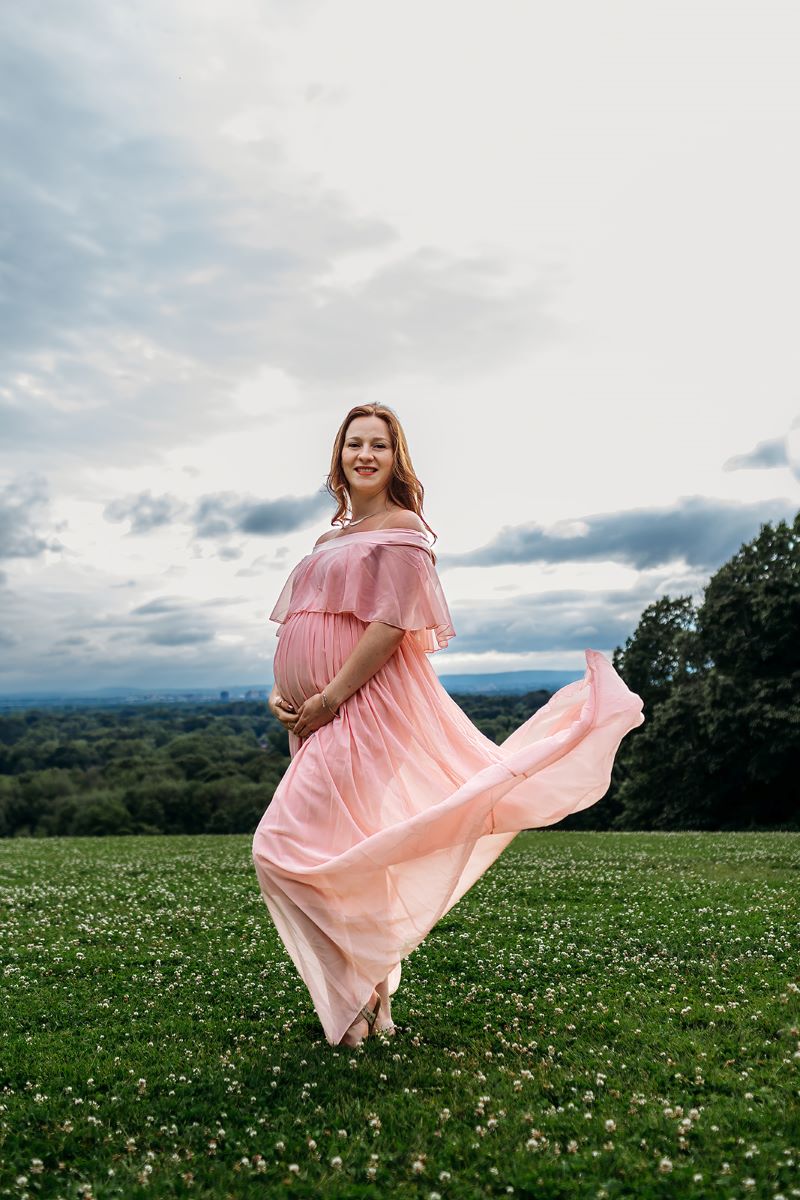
point(205, 768)
point(150, 769)
point(720, 747)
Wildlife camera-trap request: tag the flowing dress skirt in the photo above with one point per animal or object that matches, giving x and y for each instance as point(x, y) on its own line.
point(388, 814)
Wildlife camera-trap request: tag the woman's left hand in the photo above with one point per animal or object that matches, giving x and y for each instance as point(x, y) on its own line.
point(312, 715)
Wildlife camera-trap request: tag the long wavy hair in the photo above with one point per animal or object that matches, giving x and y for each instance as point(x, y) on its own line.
point(405, 488)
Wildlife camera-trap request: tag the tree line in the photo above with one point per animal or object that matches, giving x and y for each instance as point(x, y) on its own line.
point(720, 746)
point(719, 749)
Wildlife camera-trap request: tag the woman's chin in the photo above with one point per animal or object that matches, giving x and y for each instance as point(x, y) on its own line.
point(366, 486)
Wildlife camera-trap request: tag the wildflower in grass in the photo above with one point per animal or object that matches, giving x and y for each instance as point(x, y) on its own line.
point(336, 1162)
point(665, 1166)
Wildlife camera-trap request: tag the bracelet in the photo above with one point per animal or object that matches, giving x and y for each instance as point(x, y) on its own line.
point(325, 703)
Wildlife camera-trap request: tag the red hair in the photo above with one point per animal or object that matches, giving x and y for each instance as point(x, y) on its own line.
point(404, 489)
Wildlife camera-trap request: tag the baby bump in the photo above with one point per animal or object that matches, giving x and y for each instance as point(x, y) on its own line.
point(311, 648)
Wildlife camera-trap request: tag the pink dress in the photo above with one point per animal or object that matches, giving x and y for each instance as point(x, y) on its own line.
point(388, 814)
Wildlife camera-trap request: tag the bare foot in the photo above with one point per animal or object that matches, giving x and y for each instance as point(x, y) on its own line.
point(355, 1033)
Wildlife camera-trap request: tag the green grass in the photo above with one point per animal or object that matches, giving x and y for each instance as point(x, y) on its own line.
point(156, 1041)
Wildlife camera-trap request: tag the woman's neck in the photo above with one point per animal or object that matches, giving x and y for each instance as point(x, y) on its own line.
point(360, 511)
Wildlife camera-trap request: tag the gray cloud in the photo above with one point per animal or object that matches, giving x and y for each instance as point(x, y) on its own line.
point(141, 284)
point(426, 312)
point(21, 506)
point(702, 532)
point(559, 620)
point(224, 513)
point(174, 636)
point(771, 453)
point(164, 604)
point(171, 604)
point(220, 514)
point(145, 512)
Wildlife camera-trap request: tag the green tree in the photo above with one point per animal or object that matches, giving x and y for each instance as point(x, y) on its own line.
point(720, 747)
point(658, 654)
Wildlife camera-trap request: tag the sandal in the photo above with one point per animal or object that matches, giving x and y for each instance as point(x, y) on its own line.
point(369, 1015)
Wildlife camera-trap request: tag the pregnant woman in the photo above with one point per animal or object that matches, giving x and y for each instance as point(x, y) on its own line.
point(394, 803)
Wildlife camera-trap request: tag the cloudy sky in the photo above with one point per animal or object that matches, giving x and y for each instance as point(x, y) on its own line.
point(561, 241)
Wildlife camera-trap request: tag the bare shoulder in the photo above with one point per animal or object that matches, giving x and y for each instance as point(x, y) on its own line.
point(404, 518)
point(325, 537)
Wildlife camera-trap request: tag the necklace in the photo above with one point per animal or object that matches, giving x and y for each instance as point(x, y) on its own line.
point(349, 523)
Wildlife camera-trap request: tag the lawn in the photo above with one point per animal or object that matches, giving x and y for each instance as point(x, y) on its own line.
point(603, 1015)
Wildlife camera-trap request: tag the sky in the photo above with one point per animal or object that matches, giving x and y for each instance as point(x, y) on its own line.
point(560, 241)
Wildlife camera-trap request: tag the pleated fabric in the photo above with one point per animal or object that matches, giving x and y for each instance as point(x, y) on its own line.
point(387, 815)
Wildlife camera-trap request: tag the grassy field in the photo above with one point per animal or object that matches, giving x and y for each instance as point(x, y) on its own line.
point(603, 1015)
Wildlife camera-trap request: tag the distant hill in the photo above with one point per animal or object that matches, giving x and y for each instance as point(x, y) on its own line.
point(502, 683)
point(508, 683)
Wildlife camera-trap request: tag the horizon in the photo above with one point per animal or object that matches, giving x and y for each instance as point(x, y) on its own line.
point(552, 674)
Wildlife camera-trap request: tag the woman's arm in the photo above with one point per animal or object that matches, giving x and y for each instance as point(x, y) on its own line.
point(375, 647)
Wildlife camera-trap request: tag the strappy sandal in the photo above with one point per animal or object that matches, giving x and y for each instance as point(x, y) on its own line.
point(369, 1015)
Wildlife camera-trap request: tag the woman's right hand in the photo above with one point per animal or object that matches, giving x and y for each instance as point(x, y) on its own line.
point(282, 709)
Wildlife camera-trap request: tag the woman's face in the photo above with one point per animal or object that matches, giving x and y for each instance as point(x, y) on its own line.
point(367, 456)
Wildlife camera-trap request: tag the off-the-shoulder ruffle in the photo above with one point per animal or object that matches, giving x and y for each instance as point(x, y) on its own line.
point(381, 575)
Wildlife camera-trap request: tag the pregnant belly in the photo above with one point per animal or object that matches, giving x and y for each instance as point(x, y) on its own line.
point(311, 648)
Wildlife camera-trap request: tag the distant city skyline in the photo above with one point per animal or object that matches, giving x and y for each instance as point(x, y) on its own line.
point(560, 242)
